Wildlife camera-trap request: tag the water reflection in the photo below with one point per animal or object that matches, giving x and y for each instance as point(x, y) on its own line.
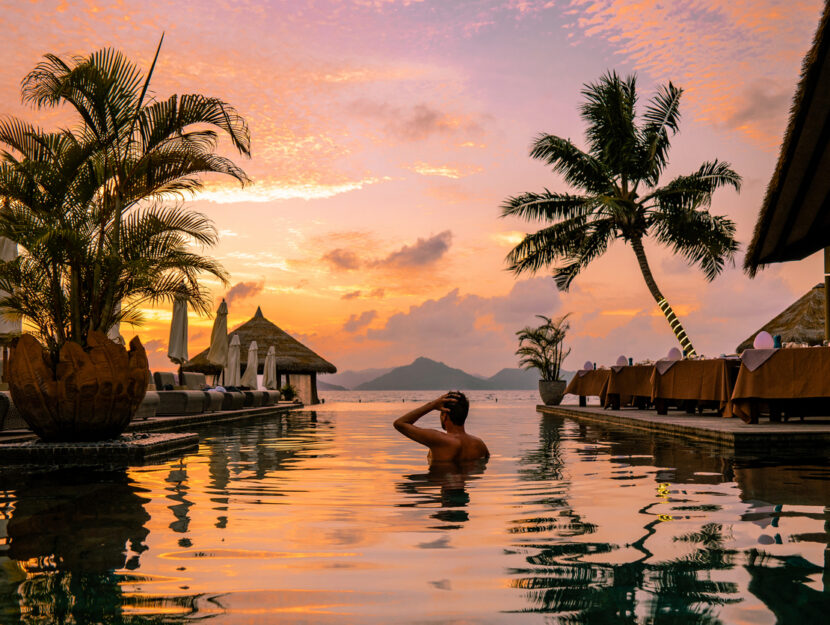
point(678, 577)
point(445, 487)
point(71, 541)
point(339, 520)
point(66, 534)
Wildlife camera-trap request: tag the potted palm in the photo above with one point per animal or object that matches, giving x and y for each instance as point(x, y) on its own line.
point(97, 239)
point(542, 348)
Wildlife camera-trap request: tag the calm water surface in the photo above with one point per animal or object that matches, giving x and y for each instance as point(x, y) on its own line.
point(330, 516)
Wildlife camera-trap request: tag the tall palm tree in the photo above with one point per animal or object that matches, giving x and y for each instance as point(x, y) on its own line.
point(619, 197)
point(87, 205)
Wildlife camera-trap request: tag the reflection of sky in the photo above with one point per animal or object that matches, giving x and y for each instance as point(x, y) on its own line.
point(379, 126)
point(341, 518)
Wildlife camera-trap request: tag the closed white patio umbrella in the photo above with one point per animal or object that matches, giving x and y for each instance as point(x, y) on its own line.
point(218, 350)
point(269, 374)
point(177, 345)
point(232, 370)
point(114, 333)
point(249, 377)
point(9, 325)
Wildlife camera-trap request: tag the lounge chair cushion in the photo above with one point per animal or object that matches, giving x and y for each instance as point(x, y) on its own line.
point(213, 400)
point(254, 399)
point(181, 402)
point(194, 381)
point(148, 407)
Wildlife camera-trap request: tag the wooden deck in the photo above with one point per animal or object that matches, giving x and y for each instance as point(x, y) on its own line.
point(813, 433)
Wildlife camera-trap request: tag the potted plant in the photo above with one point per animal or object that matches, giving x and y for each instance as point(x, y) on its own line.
point(97, 240)
point(542, 348)
point(288, 392)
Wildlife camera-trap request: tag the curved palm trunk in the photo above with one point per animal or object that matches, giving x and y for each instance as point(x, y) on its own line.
point(674, 322)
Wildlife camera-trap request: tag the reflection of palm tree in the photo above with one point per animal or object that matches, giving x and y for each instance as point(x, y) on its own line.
point(558, 581)
point(69, 531)
point(782, 584)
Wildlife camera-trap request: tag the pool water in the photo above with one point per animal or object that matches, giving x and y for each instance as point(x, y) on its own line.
point(330, 516)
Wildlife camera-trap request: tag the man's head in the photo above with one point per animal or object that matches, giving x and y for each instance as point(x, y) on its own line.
point(457, 409)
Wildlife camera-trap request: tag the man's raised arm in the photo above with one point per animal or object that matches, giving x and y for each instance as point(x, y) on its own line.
point(406, 424)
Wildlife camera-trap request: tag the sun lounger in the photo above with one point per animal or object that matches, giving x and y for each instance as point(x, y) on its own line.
point(197, 382)
point(148, 407)
point(176, 401)
point(254, 399)
point(215, 400)
point(271, 397)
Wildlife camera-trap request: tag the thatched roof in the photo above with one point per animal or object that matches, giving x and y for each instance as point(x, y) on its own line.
point(292, 355)
point(794, 220)
point(802, 322)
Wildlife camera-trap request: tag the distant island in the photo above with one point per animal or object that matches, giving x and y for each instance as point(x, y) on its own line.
point(424, 374)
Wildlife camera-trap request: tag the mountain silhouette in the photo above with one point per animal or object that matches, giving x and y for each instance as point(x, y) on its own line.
point(424, 374)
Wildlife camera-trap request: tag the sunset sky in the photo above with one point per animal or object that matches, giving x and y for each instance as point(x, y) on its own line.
point(386, 133)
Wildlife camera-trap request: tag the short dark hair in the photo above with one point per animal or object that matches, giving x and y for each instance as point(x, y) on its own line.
point(459, 409)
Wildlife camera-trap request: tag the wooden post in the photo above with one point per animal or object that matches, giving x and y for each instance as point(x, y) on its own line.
point(827, 293)
point(314, 398)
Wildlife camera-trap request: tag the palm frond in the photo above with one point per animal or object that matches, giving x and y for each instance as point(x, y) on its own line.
point(661, 116)
point(701, 238)
point(547, 206)
point(580, 170)
point(609, 113)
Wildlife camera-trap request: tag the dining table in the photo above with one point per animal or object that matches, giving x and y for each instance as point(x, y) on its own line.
point(789, 380)
point(629, 384)
point(589, 383)
point(694, 384)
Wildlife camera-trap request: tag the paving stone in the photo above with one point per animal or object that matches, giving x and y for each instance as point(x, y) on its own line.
point(813, 433)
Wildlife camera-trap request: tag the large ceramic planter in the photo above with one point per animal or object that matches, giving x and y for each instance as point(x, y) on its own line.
point(552, 392)
point(91, 396)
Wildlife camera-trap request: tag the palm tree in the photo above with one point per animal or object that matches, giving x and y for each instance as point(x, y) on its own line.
point(618, 178)
point(89, 206)
point(542, 347)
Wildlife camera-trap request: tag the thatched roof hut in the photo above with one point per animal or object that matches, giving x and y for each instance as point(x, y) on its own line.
point(292, 356)
point(802, 322)
point(794, 220)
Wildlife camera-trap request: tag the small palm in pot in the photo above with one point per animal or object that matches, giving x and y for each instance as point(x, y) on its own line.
point(542, 348)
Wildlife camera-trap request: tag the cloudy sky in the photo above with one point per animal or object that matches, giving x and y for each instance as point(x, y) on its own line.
point(387, 132)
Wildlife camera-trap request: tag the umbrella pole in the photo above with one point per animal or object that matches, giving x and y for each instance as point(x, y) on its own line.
point(827, 294)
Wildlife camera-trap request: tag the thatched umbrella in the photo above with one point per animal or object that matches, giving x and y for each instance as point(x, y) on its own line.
point(802, 322)
point(292, 356)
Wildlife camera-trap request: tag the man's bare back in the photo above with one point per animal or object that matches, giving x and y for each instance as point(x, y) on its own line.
point(455, 444)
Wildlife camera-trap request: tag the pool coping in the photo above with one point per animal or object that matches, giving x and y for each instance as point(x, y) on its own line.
point(724, 432)
point(16, 445)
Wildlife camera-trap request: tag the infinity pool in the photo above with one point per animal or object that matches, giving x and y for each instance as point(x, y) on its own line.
point(331, 516)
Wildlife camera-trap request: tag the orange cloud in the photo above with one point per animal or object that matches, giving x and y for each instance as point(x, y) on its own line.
point(713, 50)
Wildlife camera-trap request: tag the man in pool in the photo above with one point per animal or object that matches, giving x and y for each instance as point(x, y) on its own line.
point(454, 444)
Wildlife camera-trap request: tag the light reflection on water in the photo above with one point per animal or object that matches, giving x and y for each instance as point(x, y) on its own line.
point(332, 517)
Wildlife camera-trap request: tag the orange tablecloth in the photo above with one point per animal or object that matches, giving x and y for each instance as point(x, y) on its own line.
point(630, 381)
point(700, 380)
point(792, 373)
point(590, 384)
